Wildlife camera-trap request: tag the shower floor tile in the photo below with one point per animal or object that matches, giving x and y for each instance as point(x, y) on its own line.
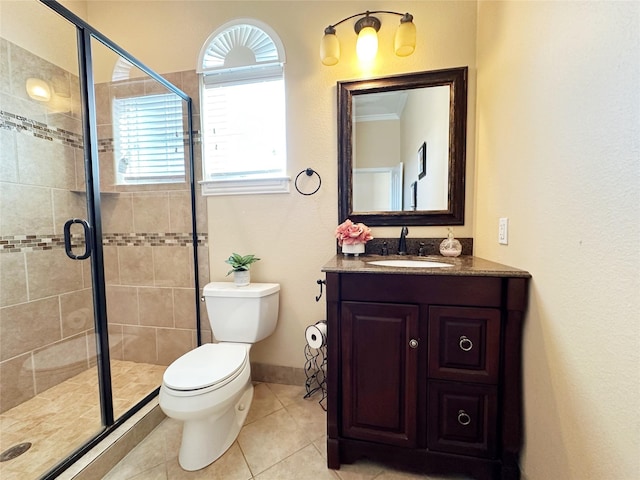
point(62, 418)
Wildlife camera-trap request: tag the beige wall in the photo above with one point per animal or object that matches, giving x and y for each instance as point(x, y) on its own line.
point(558, 154)
point(558, 129)
point(433, 129)
point(376, 144)
point(293, 234)
point(54, 40)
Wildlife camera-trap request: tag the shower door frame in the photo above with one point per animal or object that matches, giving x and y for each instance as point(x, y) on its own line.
point(85, 33)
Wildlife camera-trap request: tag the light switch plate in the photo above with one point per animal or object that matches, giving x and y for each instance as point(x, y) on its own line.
point(503, 231)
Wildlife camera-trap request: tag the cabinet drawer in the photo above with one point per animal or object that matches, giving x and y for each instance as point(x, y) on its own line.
point(464, 344)
point(462, 419)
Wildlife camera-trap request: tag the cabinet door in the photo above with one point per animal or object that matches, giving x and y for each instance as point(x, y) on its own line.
point(464, 343)
point(379, 372)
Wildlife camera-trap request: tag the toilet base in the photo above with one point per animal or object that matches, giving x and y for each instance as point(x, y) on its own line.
point(202, 443)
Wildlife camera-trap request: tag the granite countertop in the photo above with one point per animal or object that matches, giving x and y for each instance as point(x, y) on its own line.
point(464, 265)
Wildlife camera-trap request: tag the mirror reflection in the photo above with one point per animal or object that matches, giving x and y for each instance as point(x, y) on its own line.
point(402, 148)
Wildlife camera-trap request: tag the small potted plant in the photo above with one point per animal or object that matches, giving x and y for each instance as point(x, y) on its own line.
point(240, 268)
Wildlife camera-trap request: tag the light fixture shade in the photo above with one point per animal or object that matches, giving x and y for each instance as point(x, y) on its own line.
point(330, 47)
point(367, 44)
point(405, 41)
point(38, 89)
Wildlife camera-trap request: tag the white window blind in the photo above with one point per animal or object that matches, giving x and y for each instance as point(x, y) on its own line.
point(149, 139)
point(244, 127)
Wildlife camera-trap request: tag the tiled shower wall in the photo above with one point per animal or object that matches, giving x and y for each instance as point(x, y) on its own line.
point(149, 274)
point(46, 319)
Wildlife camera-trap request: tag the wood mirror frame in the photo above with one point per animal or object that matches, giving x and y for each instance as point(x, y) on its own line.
point(456, 78)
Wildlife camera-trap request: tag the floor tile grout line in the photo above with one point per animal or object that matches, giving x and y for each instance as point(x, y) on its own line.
point(244, 458)
point(285, 458)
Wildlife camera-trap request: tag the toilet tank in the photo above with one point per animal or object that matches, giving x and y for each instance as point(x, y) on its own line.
point(242, 314)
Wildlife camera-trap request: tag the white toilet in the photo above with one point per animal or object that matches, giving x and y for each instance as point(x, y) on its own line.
point(210, 388)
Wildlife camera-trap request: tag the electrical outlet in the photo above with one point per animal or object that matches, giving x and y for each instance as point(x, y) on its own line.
point(503, 231)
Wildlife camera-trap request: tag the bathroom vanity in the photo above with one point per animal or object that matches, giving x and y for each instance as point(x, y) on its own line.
point(424, 364)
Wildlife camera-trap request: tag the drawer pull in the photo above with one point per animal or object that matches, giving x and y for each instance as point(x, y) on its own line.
point(465, 344)
point(463, 418)
point(413, 343)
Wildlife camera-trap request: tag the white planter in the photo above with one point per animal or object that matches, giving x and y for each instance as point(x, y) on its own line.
point(241, 278)
point(353, 249)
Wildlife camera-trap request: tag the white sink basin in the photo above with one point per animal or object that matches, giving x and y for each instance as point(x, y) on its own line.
point(410, 263)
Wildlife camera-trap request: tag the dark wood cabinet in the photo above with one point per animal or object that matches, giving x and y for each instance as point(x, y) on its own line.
point(379, 368)
point(425, 371)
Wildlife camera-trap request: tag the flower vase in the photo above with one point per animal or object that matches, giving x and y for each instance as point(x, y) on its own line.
point(241, 278)
point(354, 249)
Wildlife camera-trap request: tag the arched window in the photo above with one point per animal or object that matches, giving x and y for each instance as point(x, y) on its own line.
point(241, 67)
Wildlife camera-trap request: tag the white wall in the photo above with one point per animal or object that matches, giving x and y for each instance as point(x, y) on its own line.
point(558, 122)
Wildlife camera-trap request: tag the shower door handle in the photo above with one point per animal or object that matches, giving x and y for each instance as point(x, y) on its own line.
point(67, 239)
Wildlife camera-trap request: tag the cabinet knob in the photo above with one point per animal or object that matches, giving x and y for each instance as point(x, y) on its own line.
point(463, 418)
point(465, 344)
point(413, 343)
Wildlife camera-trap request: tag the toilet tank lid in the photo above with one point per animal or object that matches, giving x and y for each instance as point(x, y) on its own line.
point(229, 289)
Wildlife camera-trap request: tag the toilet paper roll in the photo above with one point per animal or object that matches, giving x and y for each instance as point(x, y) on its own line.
point(316, 335)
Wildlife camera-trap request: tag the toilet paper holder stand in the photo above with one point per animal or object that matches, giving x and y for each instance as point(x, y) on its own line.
point(315, 369)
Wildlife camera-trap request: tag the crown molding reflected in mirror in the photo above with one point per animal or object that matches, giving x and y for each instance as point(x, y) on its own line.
point(406, 209)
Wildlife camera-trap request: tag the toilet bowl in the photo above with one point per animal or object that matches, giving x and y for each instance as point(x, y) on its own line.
point(210, 388)
point(213, 404)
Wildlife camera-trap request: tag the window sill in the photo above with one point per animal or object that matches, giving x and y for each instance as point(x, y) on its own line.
point(245, 186)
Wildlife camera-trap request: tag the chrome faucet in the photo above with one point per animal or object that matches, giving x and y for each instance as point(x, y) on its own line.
point(402, 244)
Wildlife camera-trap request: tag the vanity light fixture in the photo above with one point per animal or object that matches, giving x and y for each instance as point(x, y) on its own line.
point(367, 28)
point(38, 89)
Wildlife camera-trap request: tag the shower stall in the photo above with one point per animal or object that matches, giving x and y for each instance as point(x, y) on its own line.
point(99, 243)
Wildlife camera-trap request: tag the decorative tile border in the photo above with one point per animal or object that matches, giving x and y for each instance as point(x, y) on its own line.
point(18, 123)
point(31, 243)
point(151, 239)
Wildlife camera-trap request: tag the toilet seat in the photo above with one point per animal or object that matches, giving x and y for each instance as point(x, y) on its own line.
point(208, 367)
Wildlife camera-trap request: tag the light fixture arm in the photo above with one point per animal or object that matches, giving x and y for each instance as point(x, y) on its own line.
point(366, 14)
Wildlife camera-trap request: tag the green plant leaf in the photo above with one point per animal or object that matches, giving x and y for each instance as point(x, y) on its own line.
point(239, 262)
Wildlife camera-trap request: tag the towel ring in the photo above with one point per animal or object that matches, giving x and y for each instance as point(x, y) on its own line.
point(309, 172)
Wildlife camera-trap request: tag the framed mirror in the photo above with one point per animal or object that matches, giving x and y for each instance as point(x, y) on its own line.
point(402, 147)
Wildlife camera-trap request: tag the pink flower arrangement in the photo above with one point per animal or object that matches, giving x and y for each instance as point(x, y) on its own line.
point(349, 233)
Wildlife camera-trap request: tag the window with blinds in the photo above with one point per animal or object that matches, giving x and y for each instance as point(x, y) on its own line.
point(149, 139)
point(243, 110)
point(244, 129)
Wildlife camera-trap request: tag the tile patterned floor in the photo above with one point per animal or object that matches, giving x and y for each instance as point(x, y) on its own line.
point(283, 439)
point(62, 418)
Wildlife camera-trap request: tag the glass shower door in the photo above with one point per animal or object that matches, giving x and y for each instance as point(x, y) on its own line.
point(147, 224)
point(49, 399)
point(97, 262)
